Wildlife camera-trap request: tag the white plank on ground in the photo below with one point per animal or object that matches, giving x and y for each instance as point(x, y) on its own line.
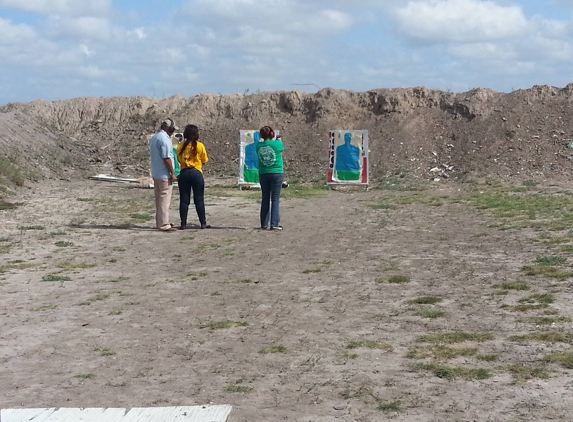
point(218, 413)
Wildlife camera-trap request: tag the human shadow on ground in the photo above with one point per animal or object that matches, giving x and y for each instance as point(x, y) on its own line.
point(198, 227)
point(145, 228)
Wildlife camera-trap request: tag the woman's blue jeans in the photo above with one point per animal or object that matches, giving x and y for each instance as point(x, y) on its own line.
point(191, 179)
point(271, 185)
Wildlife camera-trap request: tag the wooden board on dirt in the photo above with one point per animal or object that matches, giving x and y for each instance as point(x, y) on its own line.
point(136, 414)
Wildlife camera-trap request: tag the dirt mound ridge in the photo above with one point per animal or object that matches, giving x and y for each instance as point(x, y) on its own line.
point(417, 131)
point(30, 150)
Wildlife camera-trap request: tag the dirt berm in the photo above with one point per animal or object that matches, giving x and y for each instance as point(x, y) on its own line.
point(414, 132)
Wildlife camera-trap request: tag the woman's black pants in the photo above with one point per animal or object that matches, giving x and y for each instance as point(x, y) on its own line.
point(191, 179)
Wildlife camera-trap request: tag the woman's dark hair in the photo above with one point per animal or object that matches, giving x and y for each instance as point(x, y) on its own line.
point(266, 132)
point(191, 136)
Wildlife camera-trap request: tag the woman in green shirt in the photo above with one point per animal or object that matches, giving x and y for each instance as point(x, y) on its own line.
point(271, 170)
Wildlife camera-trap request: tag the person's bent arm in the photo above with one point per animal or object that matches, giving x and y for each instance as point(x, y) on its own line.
point(204, 157)
point(169, 166)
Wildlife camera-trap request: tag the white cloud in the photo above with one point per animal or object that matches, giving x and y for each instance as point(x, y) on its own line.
point(83, 28)
point(268, 17)
point(251, 41)
point(351, 5)
point(483, 51)
point(548, 49)
point(86, 50)
point(236, 10)
point(60, 7)
point(552, 28)
point(138, 34)
point(200, 51)
point(542, 40)
point(226, 46)
point(190, 75)
point(293, 30)
point(459, 21)
point(319, 23)
point(175, 56)
point(92, 72)
point(15, 34)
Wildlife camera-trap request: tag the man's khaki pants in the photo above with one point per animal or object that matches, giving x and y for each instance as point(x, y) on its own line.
point(163, 189)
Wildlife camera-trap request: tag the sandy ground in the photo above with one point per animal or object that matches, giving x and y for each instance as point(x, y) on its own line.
point(136, 317)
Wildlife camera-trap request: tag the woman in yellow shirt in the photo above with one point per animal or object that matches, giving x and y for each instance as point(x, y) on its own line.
point(192, 155)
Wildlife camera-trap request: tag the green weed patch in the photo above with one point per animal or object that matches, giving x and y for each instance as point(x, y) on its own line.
point(565, 359)
point(452, 373)
point(544, 337)
point(457, 337)
point(440, 352)
point(368, 344)
point(425, 300)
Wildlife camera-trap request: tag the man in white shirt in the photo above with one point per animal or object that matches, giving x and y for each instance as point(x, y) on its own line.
point(163, 173)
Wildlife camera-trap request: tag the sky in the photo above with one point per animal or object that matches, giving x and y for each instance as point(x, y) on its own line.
point(61, 49)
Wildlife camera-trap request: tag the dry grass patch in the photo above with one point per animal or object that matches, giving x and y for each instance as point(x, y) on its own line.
point(206, 248)
point(55, 277)
point(524, 307)
point(221, 325)
point(85, 376)
point(104, 351)
point(487, 358)
point(369, 344)
point(547, 271)
point(70, 265)
point(541, 320)
point(141, 217)
point(525, 373)
point(15, 265)
point(430, 313)
point(538, 298)
point(544, 337)
point(419, 199)
point(96, 298)
point(312, 271)
point(394, 279)
point(452, 373)
point(46, 308)
point(394, 406)
point(28, 228)
point(5, 205)
point(457, 337)
point(513, 285)
point(235, 388)
point(565, 359)
point(196, 275)
point(440, 352)
point(520, 210)
point(273, 349)
point(550, 260)
point(425, 300)
point(533, 302)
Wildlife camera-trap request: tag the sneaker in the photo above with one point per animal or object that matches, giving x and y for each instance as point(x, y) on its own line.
point(205, 226)
point(277, 228)
point(264, 228)
point(182, 227)
point(170, 229)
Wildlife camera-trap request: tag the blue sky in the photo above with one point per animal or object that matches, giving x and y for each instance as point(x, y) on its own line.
point(60, 49)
